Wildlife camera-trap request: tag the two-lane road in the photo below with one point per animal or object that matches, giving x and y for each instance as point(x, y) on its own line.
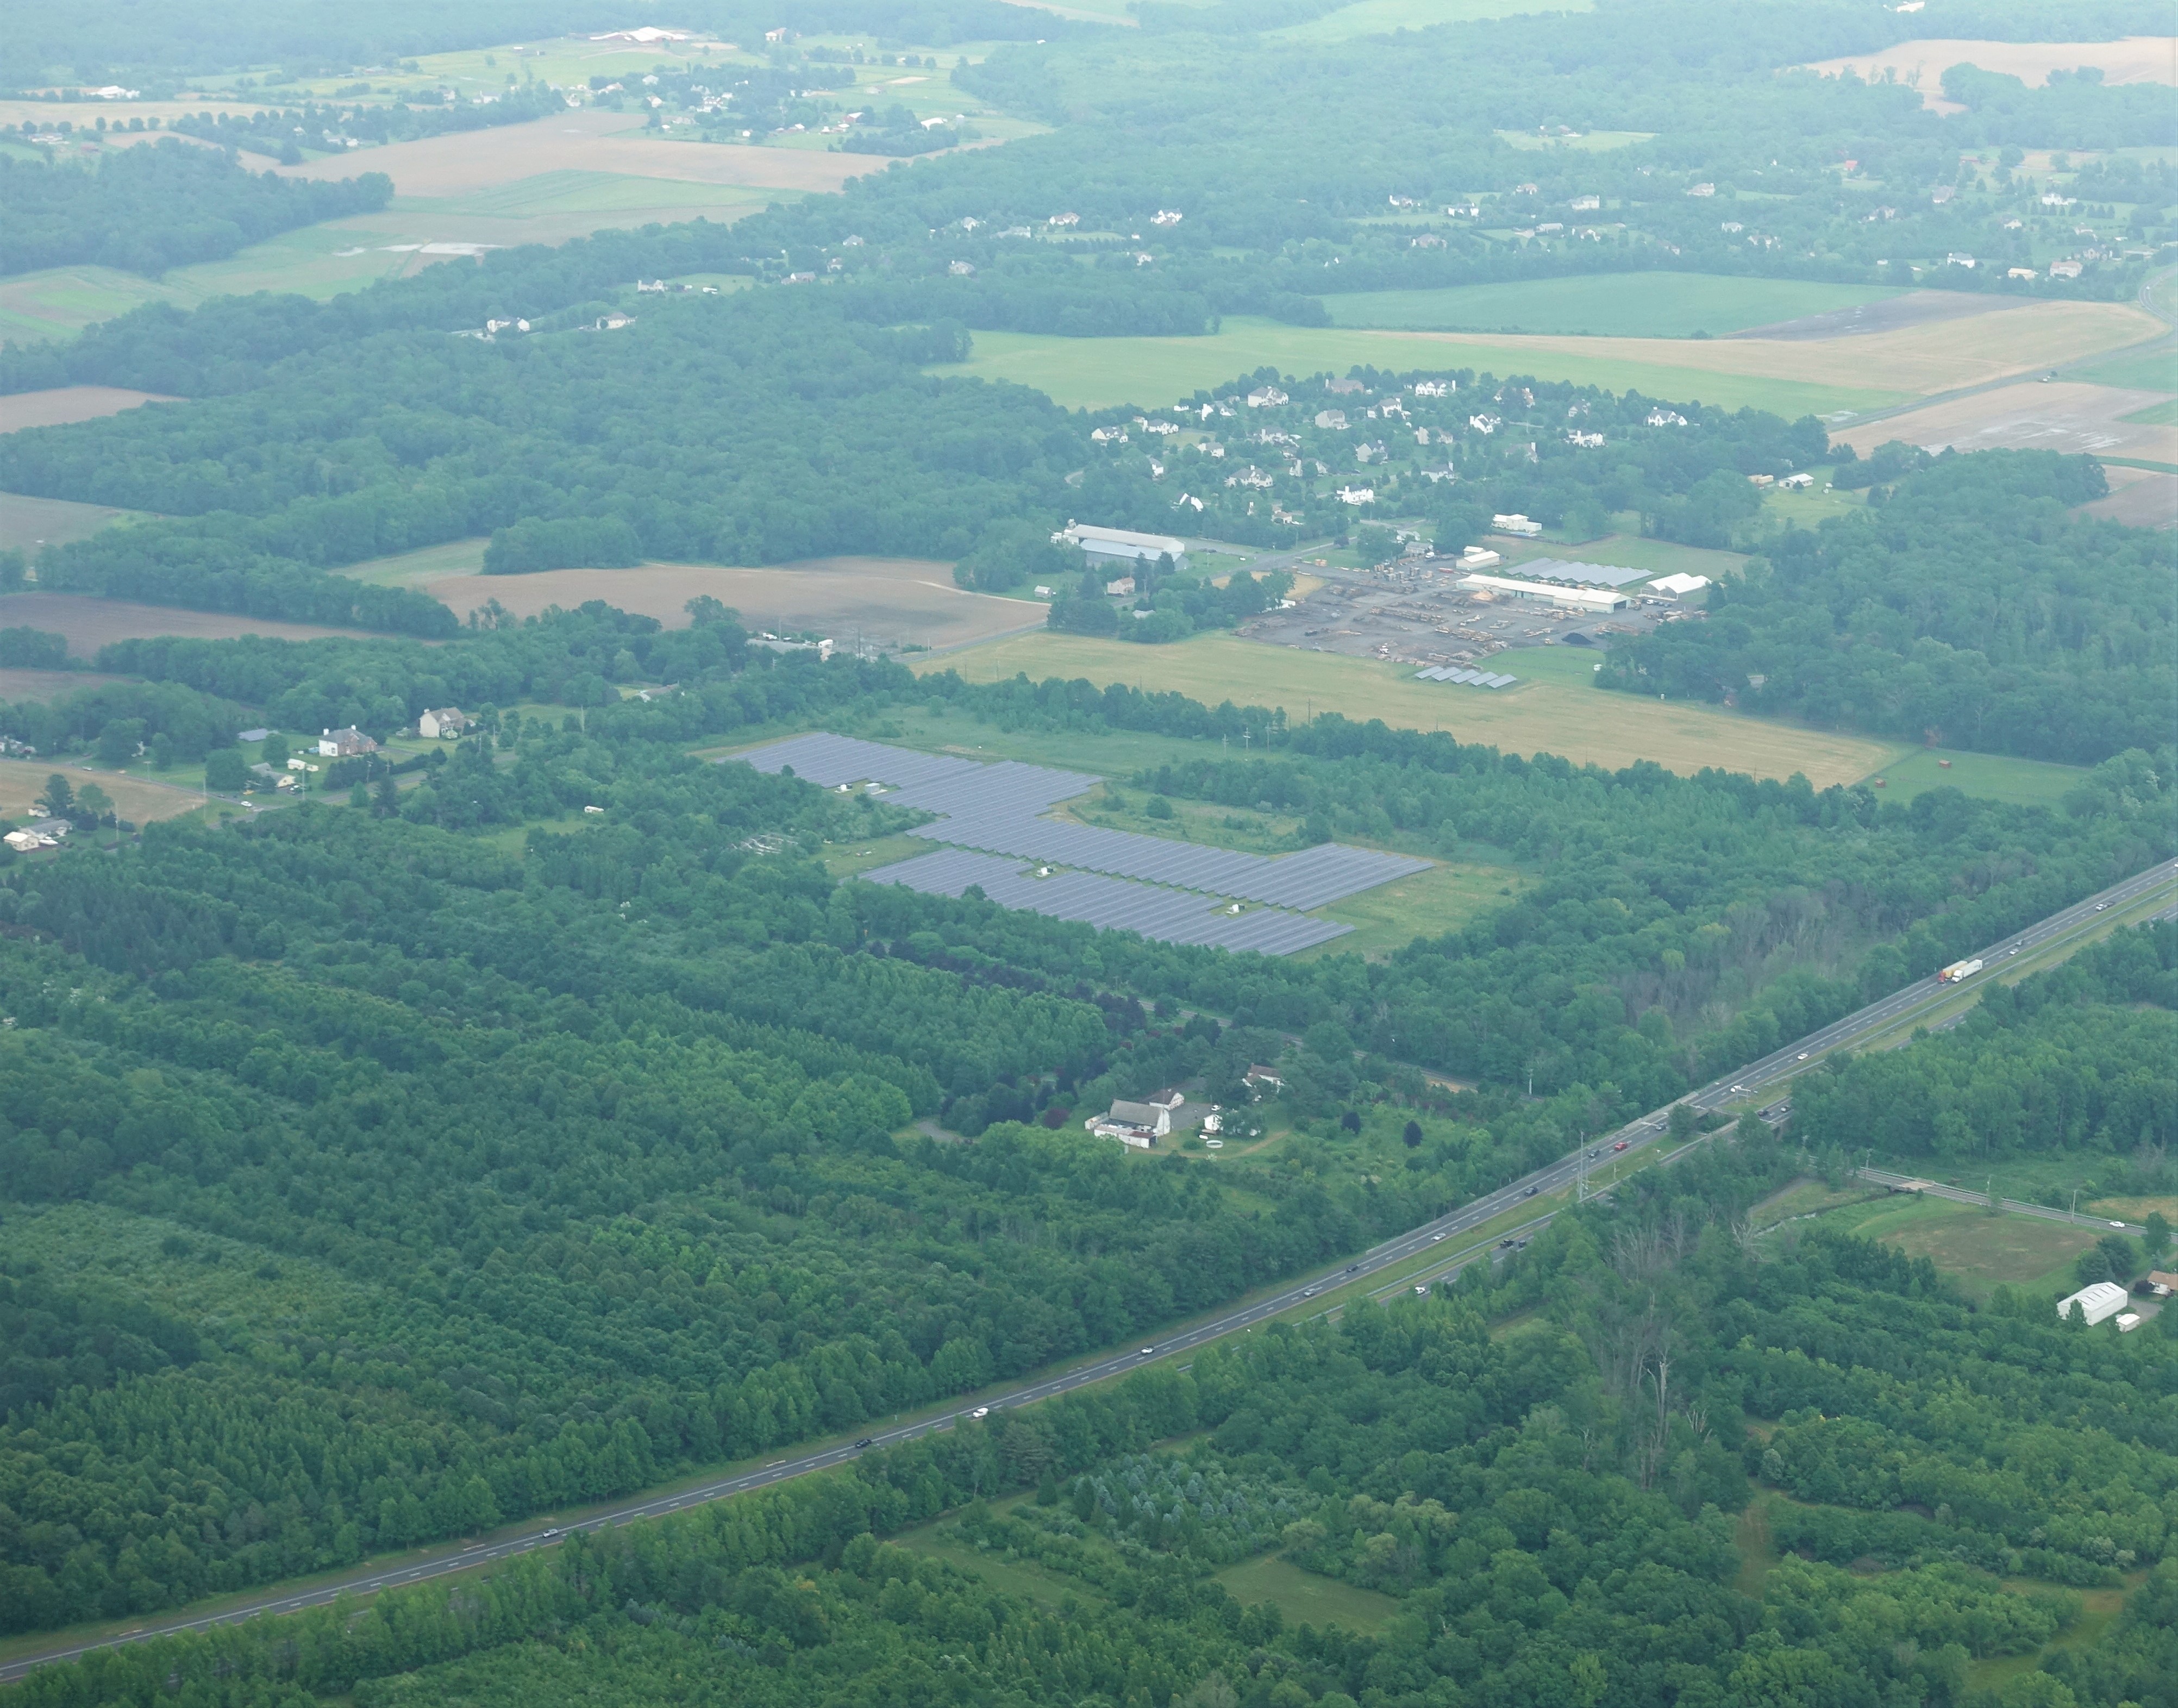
point(1741, 1089)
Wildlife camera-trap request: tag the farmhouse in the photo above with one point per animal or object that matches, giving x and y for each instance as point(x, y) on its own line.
point(444, 724)
point(1516, 523)
point(345, 744)
point(1105, 546)
point(1138, 1125)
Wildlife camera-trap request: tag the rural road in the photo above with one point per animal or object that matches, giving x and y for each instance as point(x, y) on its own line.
point(1742, 1089)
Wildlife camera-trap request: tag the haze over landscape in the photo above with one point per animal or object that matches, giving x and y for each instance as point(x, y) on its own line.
point(1138, 854)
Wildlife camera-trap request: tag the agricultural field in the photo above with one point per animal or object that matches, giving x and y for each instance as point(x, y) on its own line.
point(1383, 17)
point(1790, 376)
point(67, 403)
point(888, 601)
point(2141, 497)
point(1921, 64)
point(89, 623)
point(1631, 305)
point(27, 523)
point(1099, 372)
point(1556, 717)
point(17, 683)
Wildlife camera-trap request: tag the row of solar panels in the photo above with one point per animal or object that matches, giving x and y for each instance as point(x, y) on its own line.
point(1558, 569)
point(1110, 904)
point(1473, 679)
point(997, 808)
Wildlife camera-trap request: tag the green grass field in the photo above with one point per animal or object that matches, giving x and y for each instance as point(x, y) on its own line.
point(1979, 1251)
point(1304, 1597)
point(1098, 373)
point(1652, 557)
point(1991, 776)
point(1428, 903)
point(1383, 17)
point(27, 523)
point(426, 564)
point(2165, 414)
point(321, 261)
point(1555, 716)
point(1625, 305)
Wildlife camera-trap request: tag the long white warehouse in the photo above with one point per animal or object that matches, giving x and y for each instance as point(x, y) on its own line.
point(1566, 598)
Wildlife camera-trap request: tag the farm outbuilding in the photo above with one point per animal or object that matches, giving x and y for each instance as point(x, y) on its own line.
point(2100, 1301)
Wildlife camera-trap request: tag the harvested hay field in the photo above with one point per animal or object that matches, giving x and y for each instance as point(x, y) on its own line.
point(137, 799)
point(1581, 723)
point(2139, 497)
point(2061, 415)
point(89, 623)
point(886, 599)
point(589, 141)
point(1933, 356)
point(67, 403)
point(1921, 64)
point(46, 685)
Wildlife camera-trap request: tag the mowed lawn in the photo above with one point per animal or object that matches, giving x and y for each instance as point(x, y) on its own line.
point(1098, 373)
point(1630, 305)
point(1582, 723)
point(1979, 1251)
point(1991, 776)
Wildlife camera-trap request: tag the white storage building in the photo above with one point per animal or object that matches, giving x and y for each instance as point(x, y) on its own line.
point(2100, 1302)
point(1565, 598)
point(1106, 545)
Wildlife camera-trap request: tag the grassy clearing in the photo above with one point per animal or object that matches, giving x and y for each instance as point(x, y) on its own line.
point(27, 523)
point(1428, 903)
point(1095, 373)
point(423, 566)
point(1632, 551)
point(2098, 1608)
point(1989, 776)
point(867, 856)
point(1539, 716)
point(1975, 1248)
point(139, 801)
point(1588, 142)
point(1383, 17)
point(1304, 1598)
point(2137, 1209)
point(1632, 305)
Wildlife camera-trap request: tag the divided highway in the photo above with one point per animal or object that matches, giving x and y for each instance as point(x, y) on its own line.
point(1743, 1089)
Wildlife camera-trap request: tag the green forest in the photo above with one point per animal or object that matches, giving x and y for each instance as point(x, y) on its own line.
point(534, 1171)
point(1649, 1491)
point(159, 205)
point(473, 1132)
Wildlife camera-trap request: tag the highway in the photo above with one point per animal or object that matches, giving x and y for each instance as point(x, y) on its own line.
point(1745, 1088)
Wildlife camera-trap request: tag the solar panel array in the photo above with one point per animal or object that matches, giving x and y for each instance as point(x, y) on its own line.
point(996, 808)
point(1558, 569)
point(1110, 904)
point(1474, 679)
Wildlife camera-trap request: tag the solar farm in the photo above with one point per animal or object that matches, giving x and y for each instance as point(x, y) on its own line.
point(1473, 679)
point(992, 815)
